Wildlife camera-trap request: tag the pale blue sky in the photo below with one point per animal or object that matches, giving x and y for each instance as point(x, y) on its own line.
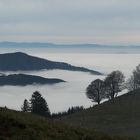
point(71, 21)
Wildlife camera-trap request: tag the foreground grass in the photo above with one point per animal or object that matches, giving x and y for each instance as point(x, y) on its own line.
point(24, 126)
point(121, 118)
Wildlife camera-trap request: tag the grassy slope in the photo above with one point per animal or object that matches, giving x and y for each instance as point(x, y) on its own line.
point(119, 118)
point(24, 126)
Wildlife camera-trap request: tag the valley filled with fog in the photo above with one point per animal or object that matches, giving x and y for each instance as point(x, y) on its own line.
point(72, 93)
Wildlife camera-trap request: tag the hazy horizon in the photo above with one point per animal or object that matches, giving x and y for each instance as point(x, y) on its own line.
point(70, 43)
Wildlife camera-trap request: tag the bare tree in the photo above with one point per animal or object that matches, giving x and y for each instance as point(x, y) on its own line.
point(136, 74)
point(95, 91)
point(114, 83)
point(131, 84)
point(134, 81)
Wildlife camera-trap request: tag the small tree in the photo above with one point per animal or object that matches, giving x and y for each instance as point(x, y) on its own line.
point(25, 107)
point(39, 105)
point(131, 84)
point(134, 81)
point(114, 84)
point(95, 91)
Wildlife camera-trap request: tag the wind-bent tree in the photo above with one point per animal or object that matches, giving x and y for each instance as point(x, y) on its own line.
point(39, 105)
point(95, 91)
point(114, 83)
point(134, 81)
point(25, 107)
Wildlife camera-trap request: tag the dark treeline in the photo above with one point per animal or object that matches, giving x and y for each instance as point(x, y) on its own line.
point(71, 110)
point(38, 105)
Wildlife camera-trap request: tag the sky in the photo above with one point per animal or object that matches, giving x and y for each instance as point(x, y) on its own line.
point(70, 21)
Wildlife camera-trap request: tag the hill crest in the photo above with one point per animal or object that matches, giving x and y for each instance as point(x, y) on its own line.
point(22, 61)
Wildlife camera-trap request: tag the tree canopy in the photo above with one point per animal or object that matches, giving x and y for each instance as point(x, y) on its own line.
point(39, 105)
point(114, 83)
point(25, 107)
point(95, 91)
point(134, 81)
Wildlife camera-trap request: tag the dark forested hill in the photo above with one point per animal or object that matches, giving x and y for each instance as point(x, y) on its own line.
point(21, 61)
point(22, 80)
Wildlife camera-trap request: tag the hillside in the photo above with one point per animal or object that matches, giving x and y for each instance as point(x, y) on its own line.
point(24, 126)
point(21, 61)
point(23, 80)
point(119, 118)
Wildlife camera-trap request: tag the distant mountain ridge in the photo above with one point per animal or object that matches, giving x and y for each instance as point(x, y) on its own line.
point(24, 62)
point(23, 80)
point(74, 48)
point(45, 45)
point(53, 45)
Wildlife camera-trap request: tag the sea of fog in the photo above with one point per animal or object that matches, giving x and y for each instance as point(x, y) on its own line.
point(72, 93)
